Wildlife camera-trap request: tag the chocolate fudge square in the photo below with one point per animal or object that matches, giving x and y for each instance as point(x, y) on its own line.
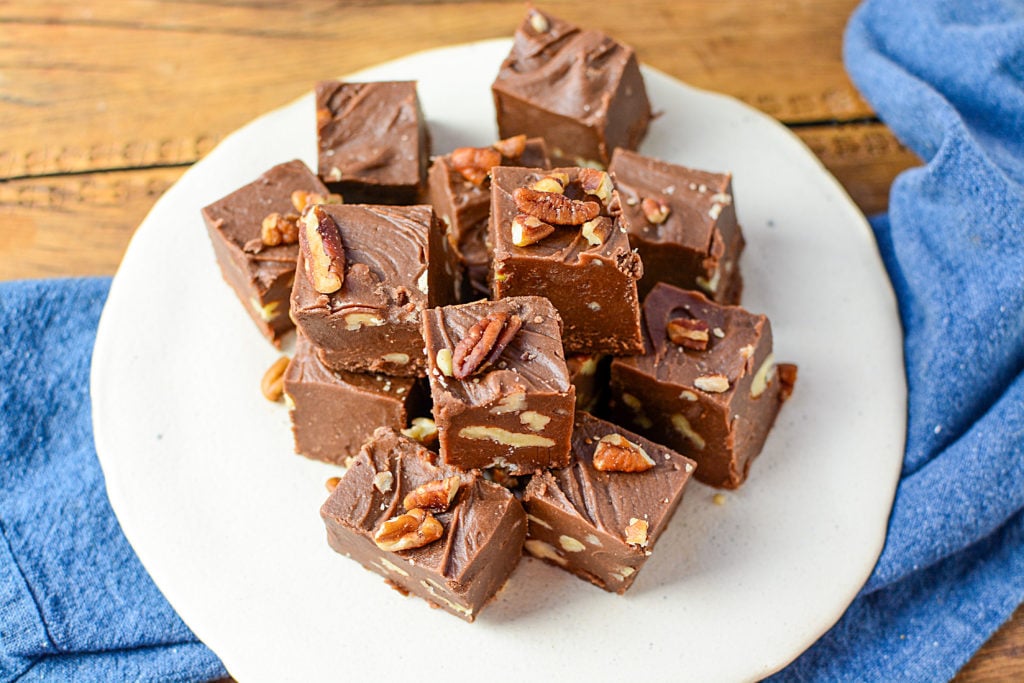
point(586, 269)
point(578, 89)
point(501, 390)
point(706, 386)
point(370, 322)
point(682, 222)
point(460, 191)
point(260, 274)
point(456, 554)
point(601, 517)
point(333, 412)
point(372, 142)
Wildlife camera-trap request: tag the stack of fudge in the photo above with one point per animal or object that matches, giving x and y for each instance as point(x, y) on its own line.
point(471, 345)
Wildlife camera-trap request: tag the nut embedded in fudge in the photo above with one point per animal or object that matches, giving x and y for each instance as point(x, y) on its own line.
point(260, 268)
point(589, 374)
point(334, 412)
point(372, 142)
point(561, 242)
point(501, 390)
point(682, 222)
point(578, 89)
point(601, 517)
point(364, 279)
point(394, 513)
point(707, 384)
point(460, 190)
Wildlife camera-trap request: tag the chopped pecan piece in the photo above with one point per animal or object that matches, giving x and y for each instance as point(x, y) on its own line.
point(616, 453)
point(511, 148)
point(713, 384)
point(302, 200)
point(636, 532)
point(474, 163)
point(484, 343)
point(655, 210)
point(597, 231)
point(787, 380)
point(277, 229)
point(596, 183)
point(332, 484)
point(422, 430)
point(527, 230)
point(323, 250)
point(436, 496)
point(551, 183)
point(415, 529)
point(689, 333)
point(553, 208)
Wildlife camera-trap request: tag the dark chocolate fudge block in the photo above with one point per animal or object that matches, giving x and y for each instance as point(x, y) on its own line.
point(601, 517)
point(261, 274)
point(369, 319)
point(706, 385)
point(460, 190)
point(372, 141)
point(584, 265)
point(578, 89)
point(501, 390)
point(589, 374)
point(334, 412)
point(682, 222)
point(455, 552)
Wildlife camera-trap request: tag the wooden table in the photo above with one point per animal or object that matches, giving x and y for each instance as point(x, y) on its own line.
point(103, 105)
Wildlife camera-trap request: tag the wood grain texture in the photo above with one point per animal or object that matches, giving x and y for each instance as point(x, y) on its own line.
point(104, 104)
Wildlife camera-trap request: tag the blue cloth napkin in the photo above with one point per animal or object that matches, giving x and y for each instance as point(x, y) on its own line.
point(948, 77)
point(75, 604)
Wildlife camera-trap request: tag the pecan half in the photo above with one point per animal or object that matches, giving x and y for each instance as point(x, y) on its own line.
point(511, 148)
point(436, 496)
point(596, 183)
point(553, 208)
point(474, 163)
point(484, 343)
point(655, 210)
point(323, 250)
point(616, 453)
point(272, 384)
point(689, 333)
point(277, 229)
point(527, 230)
point(415, 529)
point(597, 231)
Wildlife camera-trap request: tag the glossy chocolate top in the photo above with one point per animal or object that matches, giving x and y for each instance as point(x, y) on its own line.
point(475, 514)
point(698, 200)
point(609, 500)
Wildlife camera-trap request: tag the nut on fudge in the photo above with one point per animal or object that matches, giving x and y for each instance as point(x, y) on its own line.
point(682, 222)
point(364, 280)
point(449, 537)
point(501, 389)
point(554, 235)
point(333, 412)
point(254, 233)
point(601, 517)
point(372, 141)
point(578, 89)
point(707, 384)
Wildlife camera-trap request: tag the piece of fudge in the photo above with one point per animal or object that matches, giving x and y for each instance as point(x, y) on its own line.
point(372, 141)
point(333, 412)
point(460, 191)
point(362, 306)
point(450, 538)
point(589, 374)
point(601, 517)
point(707, 384)
point(501, 390)
point(578, 89)
point(565, 245)
point(259, 270)
point(682, 222)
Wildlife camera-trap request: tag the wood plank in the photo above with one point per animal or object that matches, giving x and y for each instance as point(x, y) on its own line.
point(1002, 657)
point(143, 82)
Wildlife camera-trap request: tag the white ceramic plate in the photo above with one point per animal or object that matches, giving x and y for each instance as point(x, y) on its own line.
point(200, 469)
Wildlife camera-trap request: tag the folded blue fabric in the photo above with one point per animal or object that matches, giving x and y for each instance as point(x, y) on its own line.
point(75, 604)
point(948, 77)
